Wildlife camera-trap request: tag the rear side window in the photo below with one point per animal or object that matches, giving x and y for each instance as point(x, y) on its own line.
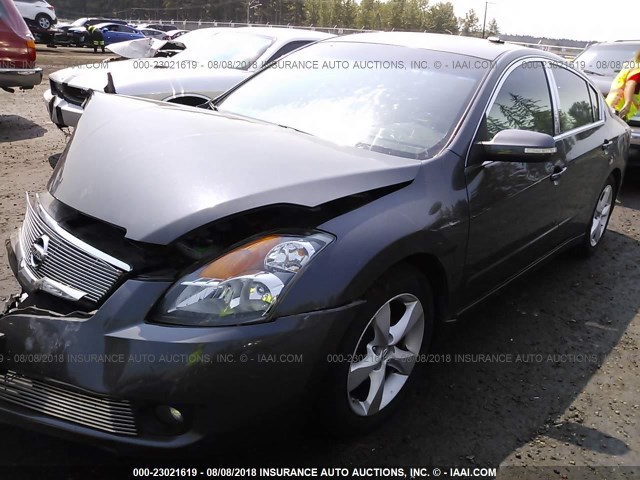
point(288, 48)
point(575, 101)
point(595, 104)
point(523, 102)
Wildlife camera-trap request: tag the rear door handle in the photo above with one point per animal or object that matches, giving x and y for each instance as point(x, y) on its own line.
point(606, 144)
point(557, 173)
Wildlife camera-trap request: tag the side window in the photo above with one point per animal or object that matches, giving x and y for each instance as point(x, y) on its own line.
point(595, 104)
point(288, 48)
point(575, 102)
point(523, 102)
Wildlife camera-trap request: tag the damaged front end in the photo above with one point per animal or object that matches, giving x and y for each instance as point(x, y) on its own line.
point(83, 356)
point(146, 48)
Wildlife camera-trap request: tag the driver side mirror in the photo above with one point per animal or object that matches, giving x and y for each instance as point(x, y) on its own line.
point(520, 146)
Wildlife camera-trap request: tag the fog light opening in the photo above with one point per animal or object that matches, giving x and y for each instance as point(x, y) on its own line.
point(170, 415)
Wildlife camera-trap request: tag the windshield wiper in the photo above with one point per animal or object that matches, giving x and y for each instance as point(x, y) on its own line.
point(591, 72)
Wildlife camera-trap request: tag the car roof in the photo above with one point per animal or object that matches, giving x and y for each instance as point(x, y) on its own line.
point(283, 32)
point(489, 48)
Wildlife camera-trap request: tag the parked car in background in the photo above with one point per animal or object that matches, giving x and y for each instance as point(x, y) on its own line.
point(152, 33)
point(214, 62)
point(76, 33)
point(39, 12)
point(314, 229)
point(173, 34)
point(601, 62)
point(17, 51)
point(165, 27)
point(116, 32)
point(150, 48)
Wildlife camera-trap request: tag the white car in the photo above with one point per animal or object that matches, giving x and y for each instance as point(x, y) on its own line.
point(153, 33)
point(200, 73)
point(173, 34)
point(37, 11)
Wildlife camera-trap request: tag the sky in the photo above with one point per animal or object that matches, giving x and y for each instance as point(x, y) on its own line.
point(573, 19)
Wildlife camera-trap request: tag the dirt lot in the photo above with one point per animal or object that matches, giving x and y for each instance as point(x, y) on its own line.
point(566, 395)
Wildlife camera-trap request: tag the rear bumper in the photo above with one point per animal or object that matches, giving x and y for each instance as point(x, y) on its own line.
point(20, 78)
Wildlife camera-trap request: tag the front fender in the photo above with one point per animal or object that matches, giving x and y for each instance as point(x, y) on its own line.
point(428, 218)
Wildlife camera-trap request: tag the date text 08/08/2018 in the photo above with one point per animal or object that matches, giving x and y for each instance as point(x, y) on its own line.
point(329, 472)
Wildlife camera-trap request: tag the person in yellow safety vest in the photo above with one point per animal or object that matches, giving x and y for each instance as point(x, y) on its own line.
point(97, 37)
point(624, 95)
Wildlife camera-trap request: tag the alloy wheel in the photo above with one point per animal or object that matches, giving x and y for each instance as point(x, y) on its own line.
point(601, 215)
point(385, 355)
point(44, 22)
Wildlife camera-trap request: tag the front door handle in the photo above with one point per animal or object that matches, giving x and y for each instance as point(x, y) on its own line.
point(557, 173)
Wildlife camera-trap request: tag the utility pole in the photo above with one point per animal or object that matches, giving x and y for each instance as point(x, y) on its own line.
point(484, 21)
point(251, 4)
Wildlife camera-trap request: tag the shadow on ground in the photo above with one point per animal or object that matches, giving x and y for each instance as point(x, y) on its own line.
point(14, 128)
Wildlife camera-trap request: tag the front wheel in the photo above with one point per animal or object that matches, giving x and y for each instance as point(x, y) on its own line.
point(600, 217)
point(379, 358)
point(44, 21)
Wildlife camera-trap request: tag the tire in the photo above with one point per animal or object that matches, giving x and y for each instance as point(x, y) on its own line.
point(348, 404)
point(600, 216)
point(44, 21)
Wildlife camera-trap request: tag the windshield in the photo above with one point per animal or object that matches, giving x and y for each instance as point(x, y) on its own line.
point(607, 60)
point(227, 50)
point(395, 100)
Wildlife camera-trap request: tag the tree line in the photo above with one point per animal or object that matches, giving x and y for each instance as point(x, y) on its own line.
point(409, 15)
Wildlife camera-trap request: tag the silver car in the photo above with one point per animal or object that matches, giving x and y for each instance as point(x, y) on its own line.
point(192, 77)
point(602, 62)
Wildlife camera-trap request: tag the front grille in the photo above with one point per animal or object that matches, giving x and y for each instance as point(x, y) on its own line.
point(89, 410)
point(66, 261)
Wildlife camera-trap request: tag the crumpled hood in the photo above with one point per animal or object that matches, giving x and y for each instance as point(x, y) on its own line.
point(161, 170)
point(139, 48)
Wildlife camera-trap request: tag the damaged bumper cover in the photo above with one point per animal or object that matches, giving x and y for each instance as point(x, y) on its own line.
point(62, 112)
point(219, 378)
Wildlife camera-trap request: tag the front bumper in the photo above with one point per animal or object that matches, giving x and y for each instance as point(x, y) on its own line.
point(25, 78)
point(224, 378)
point(61, 112)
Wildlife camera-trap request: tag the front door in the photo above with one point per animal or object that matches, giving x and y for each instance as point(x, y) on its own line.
point(514, 214)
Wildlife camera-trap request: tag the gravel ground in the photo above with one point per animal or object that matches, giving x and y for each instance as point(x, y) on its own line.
point(565, 395)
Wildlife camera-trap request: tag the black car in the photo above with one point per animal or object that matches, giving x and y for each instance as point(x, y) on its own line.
point(298, 242)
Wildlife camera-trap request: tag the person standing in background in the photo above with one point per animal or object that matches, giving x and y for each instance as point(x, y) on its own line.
point(624, 95)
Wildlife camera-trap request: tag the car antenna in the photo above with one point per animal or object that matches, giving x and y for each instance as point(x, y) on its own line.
point(110, 88)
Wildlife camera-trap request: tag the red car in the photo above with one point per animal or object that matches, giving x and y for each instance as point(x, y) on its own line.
point(17, 51)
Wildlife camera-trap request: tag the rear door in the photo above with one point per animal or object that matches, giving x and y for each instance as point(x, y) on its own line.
point(514, 214)
point(582, 141)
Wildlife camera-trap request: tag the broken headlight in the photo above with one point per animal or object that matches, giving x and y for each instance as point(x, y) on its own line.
point(243, 285)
